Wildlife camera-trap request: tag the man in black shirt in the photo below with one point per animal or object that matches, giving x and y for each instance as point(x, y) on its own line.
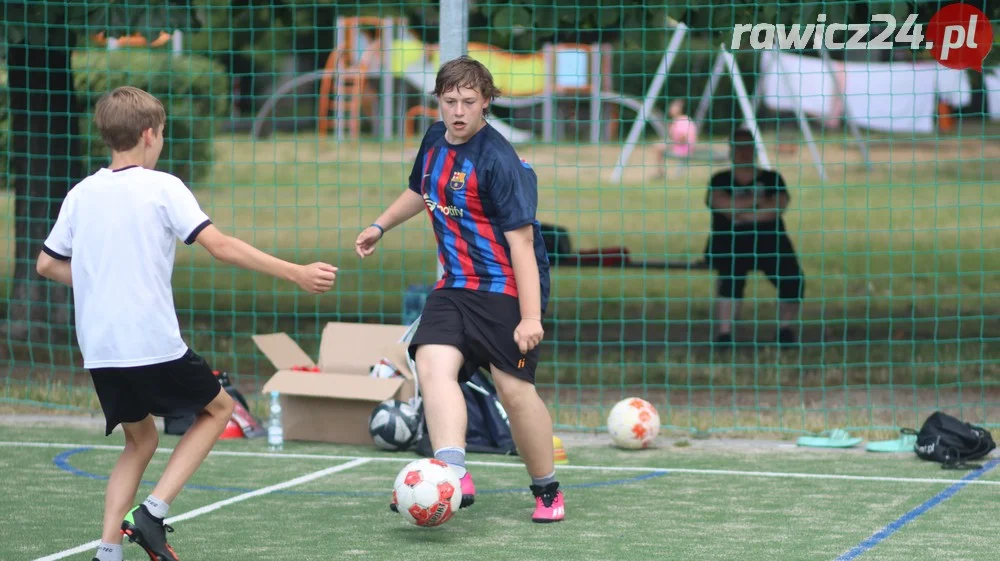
point(749, 234)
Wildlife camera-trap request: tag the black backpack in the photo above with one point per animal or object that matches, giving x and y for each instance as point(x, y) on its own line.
point(488, 430)
point(945, 439)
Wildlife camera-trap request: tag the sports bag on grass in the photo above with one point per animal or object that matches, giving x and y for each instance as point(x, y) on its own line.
point(488, 430)
point(945, 439)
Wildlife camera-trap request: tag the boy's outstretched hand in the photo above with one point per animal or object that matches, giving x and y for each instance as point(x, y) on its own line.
point(316, 277)
point(365, 244)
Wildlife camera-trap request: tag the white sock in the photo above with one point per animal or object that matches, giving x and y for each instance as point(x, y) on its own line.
point(109, 552)
point(454, 457)
point(156, 507)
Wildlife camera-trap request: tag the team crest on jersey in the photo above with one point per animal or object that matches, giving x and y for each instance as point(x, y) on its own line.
point(457, 180)
point(525, 164)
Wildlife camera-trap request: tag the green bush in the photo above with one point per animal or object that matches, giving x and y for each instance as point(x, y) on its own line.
point(194, 91)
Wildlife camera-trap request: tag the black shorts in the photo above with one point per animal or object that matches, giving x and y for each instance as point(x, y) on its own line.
point(481, 325)
point(129, 395)
point(770, 253)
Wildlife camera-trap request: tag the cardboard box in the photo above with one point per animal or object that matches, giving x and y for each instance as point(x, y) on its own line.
point(333, 405)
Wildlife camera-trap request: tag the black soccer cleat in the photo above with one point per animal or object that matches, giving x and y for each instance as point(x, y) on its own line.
point(150, 533)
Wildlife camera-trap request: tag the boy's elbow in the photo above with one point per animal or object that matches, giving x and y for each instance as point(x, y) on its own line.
point(221, 249)
point(45, 266)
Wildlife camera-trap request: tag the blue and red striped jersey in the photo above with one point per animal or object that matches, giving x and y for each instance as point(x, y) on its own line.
point(475, 192)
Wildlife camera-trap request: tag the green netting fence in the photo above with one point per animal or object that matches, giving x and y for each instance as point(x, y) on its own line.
point(296, 122)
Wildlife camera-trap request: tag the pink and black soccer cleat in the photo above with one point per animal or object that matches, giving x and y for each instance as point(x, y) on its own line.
point(549, 505)
point(468, 491)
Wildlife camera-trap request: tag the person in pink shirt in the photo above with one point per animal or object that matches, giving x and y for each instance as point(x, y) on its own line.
point(682, 136)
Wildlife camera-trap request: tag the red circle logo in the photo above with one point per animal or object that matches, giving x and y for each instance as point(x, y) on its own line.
point(960, 36)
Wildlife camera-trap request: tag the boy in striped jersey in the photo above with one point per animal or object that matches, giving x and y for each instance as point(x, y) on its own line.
point(486, 311)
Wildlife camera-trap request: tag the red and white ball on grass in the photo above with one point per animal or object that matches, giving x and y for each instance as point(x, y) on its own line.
point(633, 423)
point(427, 492)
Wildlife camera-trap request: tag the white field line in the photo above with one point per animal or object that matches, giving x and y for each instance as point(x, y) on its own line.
point(627, 469)
point(217, 505)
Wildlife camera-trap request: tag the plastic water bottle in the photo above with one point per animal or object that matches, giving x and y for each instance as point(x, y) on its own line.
point(275, 434)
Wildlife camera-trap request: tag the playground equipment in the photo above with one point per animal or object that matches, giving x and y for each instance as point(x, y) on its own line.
point(558, 72)
point(176, 40)
point(646, 113)
point(364, 46)
point(376, 60)
point(375, 57)
point(726, 64)
point(380, 51)
point(797, 105)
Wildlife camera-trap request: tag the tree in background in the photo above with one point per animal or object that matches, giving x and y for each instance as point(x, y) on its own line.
point(45, 156)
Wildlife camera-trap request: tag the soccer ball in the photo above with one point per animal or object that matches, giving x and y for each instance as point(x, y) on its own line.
point(393, 425)
point(427, 492)
point(633, 423)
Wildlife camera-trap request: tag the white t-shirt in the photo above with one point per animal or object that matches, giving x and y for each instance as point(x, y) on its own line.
point(119, 231)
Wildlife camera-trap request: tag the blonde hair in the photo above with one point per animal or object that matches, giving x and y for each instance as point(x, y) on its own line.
point(123, 114)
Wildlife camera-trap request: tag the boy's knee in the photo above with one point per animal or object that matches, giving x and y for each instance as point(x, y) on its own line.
point(512, 390)
point(143, 438)
point(438, 363)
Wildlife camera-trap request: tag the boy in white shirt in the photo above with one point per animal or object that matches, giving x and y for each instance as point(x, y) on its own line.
point(114, 243)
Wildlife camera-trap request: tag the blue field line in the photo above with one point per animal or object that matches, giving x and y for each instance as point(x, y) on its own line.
point(61, 461)
point(883, 534)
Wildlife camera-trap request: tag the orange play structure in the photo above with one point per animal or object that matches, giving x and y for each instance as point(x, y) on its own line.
point(136, 40)
point(345, 84)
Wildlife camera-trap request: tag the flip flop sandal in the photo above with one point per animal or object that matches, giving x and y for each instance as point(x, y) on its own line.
point(837, 438)
point(905, 443)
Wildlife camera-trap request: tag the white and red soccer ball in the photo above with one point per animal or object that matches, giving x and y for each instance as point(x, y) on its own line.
point(427, 492)
point(633, 423)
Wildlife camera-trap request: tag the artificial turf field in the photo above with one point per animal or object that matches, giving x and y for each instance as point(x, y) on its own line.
point(680, 500)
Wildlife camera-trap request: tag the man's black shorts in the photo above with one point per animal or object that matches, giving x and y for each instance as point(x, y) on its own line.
point(481, 325)
point(129, 395)
point(734, 256)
